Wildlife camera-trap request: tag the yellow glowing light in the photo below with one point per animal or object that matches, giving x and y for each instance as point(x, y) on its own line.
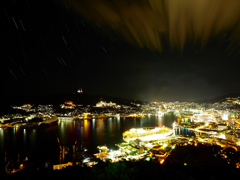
point(86, 114)
point(222, 136)
point(165, 145)
point(69, 102)
point(225, 117)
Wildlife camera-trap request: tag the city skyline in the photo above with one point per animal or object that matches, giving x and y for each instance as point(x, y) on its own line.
point(147, 51)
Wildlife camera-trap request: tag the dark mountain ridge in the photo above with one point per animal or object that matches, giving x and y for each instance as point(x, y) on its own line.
point(76, 98)
point(220, 98)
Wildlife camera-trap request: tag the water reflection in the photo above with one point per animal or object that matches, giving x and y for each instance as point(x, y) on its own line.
point(62, 126)
point(109, 125)
point(24, 136)
point(1, 140)
point(184, 131)
point(93, 124)
point(118, 123)
point(81, 130)
point(160, 122)
point(32, 139)
point(86, 133)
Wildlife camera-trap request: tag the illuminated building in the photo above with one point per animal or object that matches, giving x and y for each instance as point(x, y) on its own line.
point(80, 91)
point(230, 136)
point(68, 105)
point(104, 104)
point(69, 102)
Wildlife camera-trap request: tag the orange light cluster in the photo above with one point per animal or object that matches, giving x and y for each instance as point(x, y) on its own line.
point(69, 102)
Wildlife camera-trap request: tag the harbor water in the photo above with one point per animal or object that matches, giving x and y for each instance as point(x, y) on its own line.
point(41, 142)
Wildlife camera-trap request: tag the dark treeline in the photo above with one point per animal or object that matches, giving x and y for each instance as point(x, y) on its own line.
point(186, 162)
point(131, 170)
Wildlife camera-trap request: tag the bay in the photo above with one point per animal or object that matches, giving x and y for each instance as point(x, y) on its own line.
point(41, 142)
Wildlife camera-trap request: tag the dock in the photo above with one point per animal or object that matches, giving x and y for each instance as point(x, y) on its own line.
point(50, 120)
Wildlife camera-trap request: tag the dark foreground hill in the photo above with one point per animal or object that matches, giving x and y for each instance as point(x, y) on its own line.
point(186, 162)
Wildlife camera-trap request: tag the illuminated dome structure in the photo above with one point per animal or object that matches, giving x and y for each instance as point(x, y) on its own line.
point(157, 133)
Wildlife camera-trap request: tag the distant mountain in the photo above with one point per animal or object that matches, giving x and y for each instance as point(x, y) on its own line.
point(117, 100)
point(220, 98)
point(56, 99)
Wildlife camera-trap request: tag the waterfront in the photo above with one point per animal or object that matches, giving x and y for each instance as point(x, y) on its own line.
point(41, 142)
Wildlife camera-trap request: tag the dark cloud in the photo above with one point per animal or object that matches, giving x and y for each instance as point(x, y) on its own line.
point(151, 23)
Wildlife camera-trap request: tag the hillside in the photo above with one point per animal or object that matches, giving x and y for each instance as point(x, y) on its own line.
point(220, 98)
point(57, 99)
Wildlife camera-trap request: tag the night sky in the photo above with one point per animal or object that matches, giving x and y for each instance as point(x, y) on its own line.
point(156, 50)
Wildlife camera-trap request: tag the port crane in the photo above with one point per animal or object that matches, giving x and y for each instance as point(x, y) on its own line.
point(61, 151)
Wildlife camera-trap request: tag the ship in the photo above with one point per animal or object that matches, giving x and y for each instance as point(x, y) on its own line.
point(147, 134)
point(49, 121)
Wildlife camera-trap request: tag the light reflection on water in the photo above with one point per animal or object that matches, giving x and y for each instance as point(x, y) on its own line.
point(1, 140)
point(93, 124)
point(93, 133)
point(24, 136)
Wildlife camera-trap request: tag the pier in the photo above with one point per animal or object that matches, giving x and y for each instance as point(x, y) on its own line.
point(49, 121)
